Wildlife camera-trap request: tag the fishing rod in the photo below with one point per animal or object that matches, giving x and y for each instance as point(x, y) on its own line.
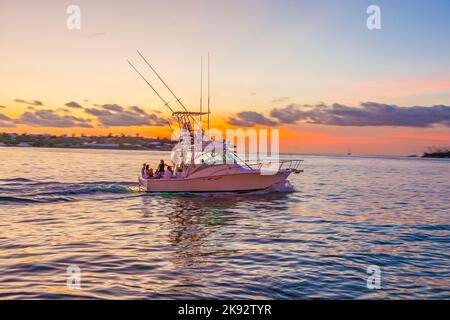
point(201, 89)
point(208, 92)
point(166, 104)
point(178, 100)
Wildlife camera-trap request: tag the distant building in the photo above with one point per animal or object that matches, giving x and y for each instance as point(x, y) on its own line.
point(24, 144)
point(12, 135)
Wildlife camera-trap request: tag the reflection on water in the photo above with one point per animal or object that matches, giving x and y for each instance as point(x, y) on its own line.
point(347, 213)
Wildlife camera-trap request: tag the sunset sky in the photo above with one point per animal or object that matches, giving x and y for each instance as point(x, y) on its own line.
point(310, 68)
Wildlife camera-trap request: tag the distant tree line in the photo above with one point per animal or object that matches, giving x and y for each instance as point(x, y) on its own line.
point(437, 152)
point(65, 141)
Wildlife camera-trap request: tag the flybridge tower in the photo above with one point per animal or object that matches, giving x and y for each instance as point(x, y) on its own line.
point(186, 119)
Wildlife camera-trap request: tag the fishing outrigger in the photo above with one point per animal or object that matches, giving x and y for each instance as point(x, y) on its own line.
point(204, 164)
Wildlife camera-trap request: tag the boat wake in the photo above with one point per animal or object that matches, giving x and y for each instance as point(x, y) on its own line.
point(23, 191)
point(26, 191)
point(283, 187)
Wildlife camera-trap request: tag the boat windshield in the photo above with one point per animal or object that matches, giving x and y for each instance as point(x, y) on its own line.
point(212, 153)
point(213, 158)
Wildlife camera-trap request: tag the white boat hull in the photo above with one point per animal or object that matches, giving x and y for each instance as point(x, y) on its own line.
point(247, 181)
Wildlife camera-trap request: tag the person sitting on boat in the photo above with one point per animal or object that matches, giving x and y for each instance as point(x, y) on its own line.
point(169, 173)
point(148, 172)
point(179, 174)
point(143, 170)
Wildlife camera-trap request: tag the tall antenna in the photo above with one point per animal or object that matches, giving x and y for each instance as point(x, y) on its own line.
point(208, 91)
point(201, 90)
point(148, 83)
point(173, 94)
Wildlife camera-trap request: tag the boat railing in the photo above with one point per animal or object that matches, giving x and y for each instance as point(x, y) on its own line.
point(291, 165)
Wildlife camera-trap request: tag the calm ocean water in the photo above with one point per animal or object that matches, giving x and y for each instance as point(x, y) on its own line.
point(82, 207)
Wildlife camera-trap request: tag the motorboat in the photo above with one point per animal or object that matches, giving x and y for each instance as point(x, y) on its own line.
point(200, 163)
point(215, 166)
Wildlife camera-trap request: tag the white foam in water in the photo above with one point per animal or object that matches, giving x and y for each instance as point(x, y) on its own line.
point(283, 186)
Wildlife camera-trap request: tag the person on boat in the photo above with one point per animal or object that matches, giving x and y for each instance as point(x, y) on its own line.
point(159, 172)
point(148, 172)
point(161, 167)
point(169, 173)
point(143, 170)
point(179, 174)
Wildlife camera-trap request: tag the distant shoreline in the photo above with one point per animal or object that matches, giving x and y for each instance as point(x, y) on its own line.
point(282, 153)
point(109, 142)
point(437, 155)
point(84, 148)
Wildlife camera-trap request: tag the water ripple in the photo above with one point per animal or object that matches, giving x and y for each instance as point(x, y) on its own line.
point(314, 241)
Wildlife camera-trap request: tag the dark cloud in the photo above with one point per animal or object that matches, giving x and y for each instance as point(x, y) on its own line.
point(282, 99)
point(73, 104)
point(49, 118)
point(367, 114)
point(5, 121)
point(290, 114)
point(31, 102)
point(113, 107)
point(2, 107)
point(4, 118)
point(113, 115)
point(97, 112)
point(137, 109)
point(249, 119)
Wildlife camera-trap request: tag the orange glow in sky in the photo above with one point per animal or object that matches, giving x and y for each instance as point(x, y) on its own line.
point(264, 55)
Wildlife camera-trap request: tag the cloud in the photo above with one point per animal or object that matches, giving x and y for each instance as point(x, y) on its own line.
point(4, 118)
point(112, 107)
point(137, 109)
point(113, 115)
point(289, 114)
point(33, 102)
point(73, 104)
point(49, 118)
point(6, 121)
point(2, 107)
point(282, 99)
point(367, 114)
point(4, 124)
point(249, 119)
